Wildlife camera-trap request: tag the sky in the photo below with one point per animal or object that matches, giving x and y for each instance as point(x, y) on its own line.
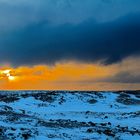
point(70, 44)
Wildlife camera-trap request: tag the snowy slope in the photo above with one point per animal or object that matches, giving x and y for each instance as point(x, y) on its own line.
point(75, 115)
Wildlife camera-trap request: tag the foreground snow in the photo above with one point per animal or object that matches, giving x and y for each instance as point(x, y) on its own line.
point(42, 115)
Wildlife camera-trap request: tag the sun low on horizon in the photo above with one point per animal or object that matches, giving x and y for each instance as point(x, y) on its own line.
point(7, 73)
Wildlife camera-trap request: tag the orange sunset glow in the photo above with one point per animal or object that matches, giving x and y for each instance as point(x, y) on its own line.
point(70, 75)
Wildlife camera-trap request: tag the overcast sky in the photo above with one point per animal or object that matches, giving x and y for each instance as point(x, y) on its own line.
point(57, 30)
point(48, 32)
point(14, 14)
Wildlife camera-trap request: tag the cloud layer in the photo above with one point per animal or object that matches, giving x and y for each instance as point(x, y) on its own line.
point(89, 41)
point(15, 14)
point(48, 32)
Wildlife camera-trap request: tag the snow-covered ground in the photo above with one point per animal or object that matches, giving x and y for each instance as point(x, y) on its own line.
point(69, 115)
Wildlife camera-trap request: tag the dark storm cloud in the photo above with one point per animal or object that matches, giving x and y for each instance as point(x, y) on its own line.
point(90, 41)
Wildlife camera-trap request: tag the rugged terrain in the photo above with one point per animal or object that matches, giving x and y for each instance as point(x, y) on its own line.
point(69, 115)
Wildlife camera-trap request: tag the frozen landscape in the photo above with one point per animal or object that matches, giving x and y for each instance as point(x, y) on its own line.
point(69, 115)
